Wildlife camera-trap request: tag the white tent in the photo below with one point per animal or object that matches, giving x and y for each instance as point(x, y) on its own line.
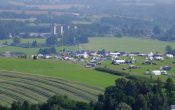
point(156, 72)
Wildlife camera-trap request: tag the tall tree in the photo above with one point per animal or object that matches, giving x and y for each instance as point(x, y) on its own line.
point(170, 88)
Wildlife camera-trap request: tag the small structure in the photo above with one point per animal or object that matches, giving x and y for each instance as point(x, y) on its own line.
point(150, 54)
point(156, 72)
point(118, 62)
point(158, 58)
point(115, 54)
point(170, 56)
point(83, 55)
point(47, 57)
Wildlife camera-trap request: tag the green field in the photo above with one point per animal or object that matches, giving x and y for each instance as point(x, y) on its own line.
point(126, 44)
point(31, 51)
point(37, 80)
point(37, 89)
point(29, 40)
point(56, 68)
point(99, 43)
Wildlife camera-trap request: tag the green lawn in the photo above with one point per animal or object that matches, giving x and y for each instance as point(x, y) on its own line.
point(28, 51)
point(31, 51)
point(62, 69)
point(98, 43)
point(126, 44)
point(30, 40)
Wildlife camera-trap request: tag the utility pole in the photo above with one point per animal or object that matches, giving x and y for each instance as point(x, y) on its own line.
point(77, 42)
point(62, 40)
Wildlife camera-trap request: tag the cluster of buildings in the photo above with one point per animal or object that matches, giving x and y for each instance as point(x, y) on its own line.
point(92, 59)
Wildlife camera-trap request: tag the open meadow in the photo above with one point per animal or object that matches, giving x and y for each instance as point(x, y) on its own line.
point(126, 44)
point(37, 80)
point(98, 43)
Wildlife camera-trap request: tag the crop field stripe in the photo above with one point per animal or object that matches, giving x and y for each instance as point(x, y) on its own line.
point(44, 88)
point(6, 99)
point(12, 95)
point(77, 83)
point(56, 90)
point(52, 78)
point(64, 87)
point(27, 97)
point(36, 89)
point(50, 84)
point(74, 87)
point(23, 90)
point(94, 91)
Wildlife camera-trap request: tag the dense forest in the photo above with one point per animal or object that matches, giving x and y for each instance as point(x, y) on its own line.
point(125, 95)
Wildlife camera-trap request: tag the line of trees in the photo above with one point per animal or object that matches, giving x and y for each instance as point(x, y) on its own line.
point(53, 103)
point(51, 50)
point(138, 95)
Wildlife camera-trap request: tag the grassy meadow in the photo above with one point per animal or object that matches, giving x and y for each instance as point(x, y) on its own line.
point(37, 80)
point(98, 43)
point(37, 89)
point(126, 44)
point(29, 40)
point(60, 69)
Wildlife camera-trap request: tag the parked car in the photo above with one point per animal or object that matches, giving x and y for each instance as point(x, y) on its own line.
point(167, 68)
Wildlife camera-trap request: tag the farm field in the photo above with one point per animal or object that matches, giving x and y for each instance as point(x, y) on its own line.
point(61, 69)
point(96, 43)
point(31, 51)
point(37, 80)
point(126, 44)
point(37, 89)
point(28, 51)
point(30, 40)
